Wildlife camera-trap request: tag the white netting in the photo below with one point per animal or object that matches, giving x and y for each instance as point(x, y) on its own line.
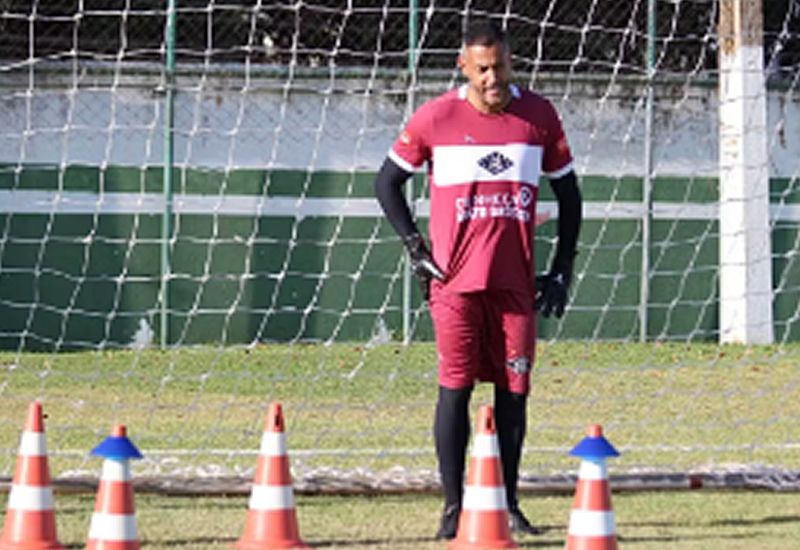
point(286, 282)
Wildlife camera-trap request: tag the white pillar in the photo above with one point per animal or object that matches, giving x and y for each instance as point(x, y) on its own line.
point(745, 250)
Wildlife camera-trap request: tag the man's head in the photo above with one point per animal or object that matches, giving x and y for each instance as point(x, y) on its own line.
point(485, 59)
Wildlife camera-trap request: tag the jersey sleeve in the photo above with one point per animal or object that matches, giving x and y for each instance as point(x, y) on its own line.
point(557, 159)
point(412, 148)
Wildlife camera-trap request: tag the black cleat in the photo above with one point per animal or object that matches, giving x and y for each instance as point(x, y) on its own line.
point(449, 526)
point(518, 523)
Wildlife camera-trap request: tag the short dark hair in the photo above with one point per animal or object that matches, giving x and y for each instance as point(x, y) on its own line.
point(484, 32)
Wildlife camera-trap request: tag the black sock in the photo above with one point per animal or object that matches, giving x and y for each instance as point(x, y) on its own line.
point(451, 433)
point(511, 420)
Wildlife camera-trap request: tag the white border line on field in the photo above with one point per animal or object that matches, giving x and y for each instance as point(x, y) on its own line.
point(426, 450)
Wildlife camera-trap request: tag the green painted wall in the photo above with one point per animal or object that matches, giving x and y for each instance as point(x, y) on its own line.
point(82, 280)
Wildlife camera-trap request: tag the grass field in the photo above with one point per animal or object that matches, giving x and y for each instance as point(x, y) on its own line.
point(665, 406)
point(686, 520)
point(198, 413)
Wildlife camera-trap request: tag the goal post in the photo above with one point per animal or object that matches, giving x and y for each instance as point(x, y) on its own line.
point(745, 245)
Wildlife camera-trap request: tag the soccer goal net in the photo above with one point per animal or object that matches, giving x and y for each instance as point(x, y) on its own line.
point(188, 232)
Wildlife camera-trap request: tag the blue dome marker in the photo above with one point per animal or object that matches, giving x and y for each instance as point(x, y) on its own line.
point(117, 446)
point(594, 445)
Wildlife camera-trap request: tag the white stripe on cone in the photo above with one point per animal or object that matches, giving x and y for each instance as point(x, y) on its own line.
point(270, 497)
point(593, 470)
point(30, 498)
point(113, 527)
point(116, 470)
point(485, 445)
point(273, 444)
point(586, 523)
point(32, 444)
point(484, 498)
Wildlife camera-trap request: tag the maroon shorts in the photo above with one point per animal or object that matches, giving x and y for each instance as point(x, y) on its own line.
point(488, 336)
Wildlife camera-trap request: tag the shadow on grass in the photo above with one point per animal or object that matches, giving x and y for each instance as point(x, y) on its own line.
point(542, 542)
point(715, 523)
point(763, 521)
point(539, 542)
point(367, 542)
point(223, 541)
point(183, 505)
point(687, 538)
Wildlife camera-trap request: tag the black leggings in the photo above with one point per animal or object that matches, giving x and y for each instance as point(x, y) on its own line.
point(451, 433)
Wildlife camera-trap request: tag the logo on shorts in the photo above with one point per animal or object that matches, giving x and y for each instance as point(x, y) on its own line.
point(495, 162)
point(520, 365)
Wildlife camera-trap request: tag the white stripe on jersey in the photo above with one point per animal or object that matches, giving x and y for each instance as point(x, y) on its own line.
point(464, 164)
point(401, 162)
point(560, 172)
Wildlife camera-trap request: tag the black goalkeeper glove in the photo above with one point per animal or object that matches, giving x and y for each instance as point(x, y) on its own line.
point(551, 293)
point(422, 263)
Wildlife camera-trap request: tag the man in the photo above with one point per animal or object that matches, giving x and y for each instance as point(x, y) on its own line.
point(486, 144)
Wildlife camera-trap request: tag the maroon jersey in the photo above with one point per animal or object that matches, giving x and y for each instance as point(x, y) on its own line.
point(484, 175)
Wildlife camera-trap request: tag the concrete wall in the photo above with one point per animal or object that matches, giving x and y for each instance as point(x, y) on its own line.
point(277, 234)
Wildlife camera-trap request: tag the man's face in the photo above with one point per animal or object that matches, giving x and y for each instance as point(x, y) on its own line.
point(488, 69)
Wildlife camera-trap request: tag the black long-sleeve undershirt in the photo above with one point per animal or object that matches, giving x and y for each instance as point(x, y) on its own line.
point(570, 215)
point(389, 191)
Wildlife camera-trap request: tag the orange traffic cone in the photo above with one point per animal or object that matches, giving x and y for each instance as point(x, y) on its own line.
point(30, 519)
point(113, 524)
point(484, 512)
point(271, 518)
point(591, 522)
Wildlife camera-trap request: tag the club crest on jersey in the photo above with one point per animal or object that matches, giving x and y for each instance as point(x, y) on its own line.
point(520, 365)
point(495, 162)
